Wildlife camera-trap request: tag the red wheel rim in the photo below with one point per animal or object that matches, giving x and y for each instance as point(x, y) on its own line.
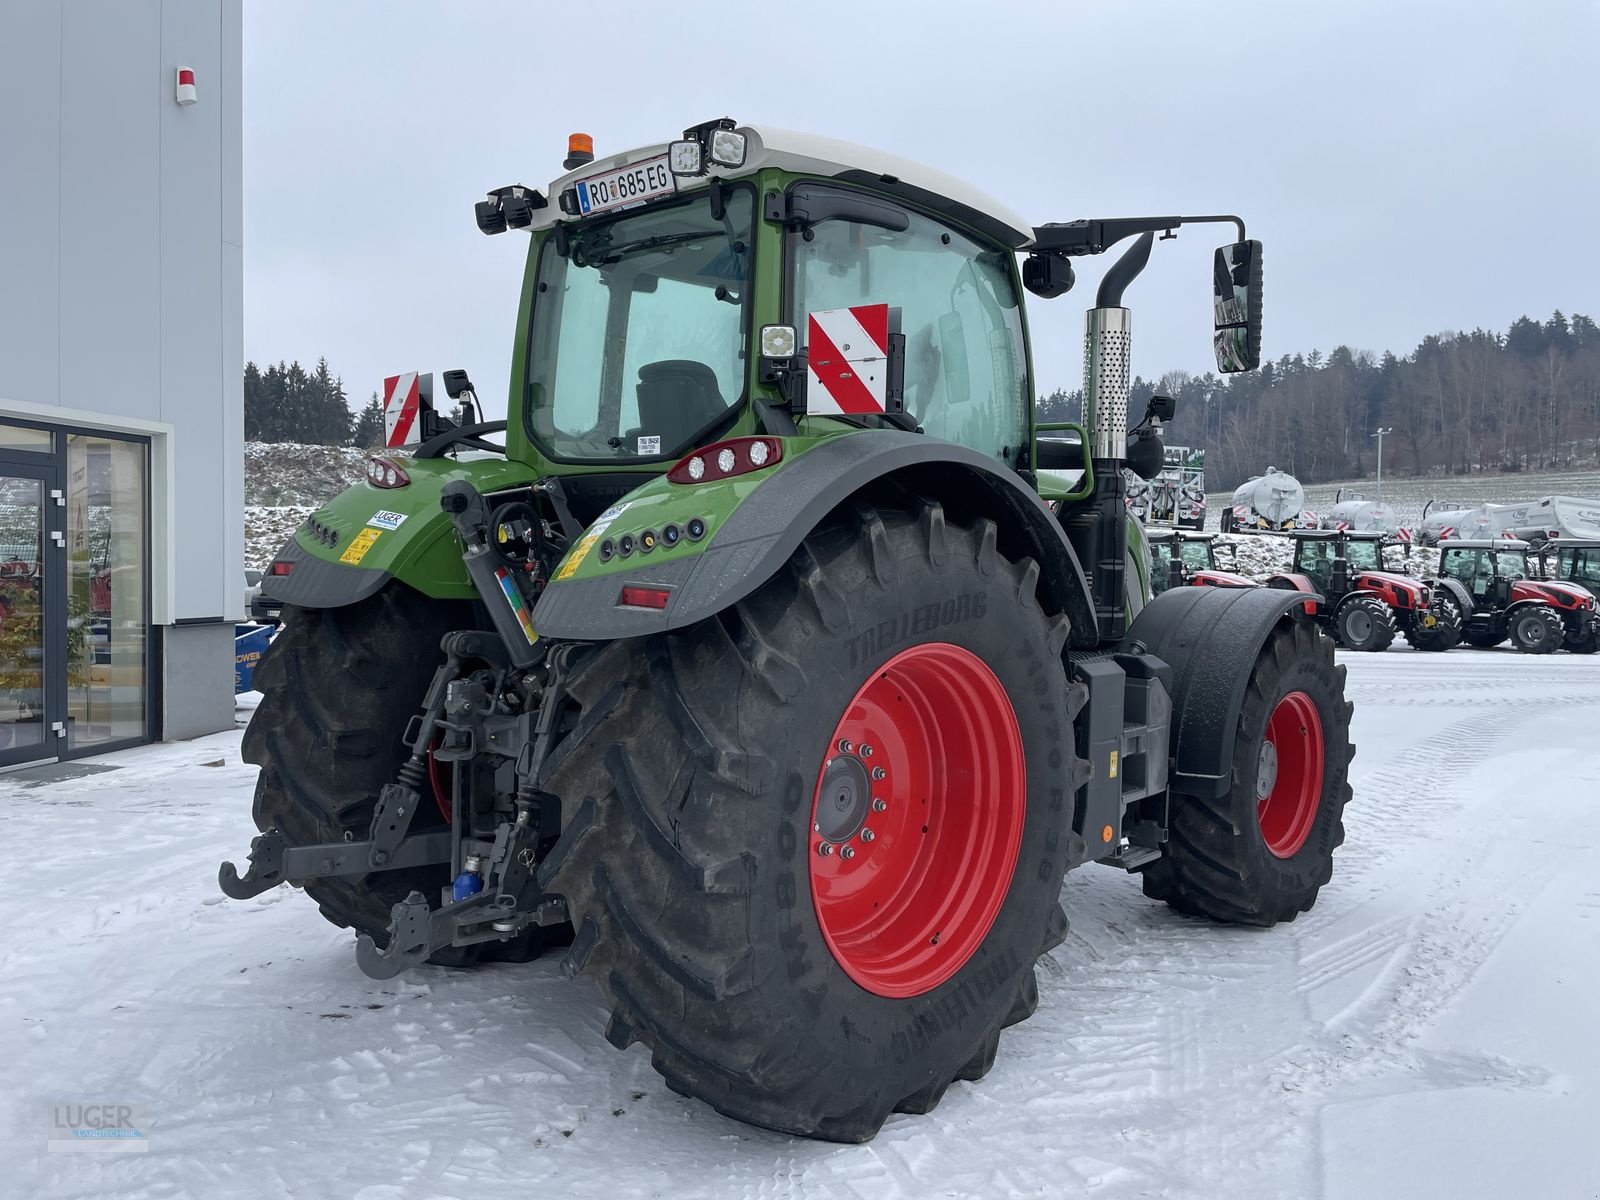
point(1289, 774)
point(916, 820)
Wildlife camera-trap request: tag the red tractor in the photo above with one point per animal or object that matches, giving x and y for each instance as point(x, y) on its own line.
point(1363, 605)
point(1183, 559)
point(1538, 615)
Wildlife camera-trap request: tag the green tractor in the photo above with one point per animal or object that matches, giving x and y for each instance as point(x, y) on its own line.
point(780, 662)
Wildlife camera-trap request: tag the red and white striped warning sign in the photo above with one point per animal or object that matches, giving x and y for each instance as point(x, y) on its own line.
point(1403, 534)
point(847, 359)
point(1342, 525)
point(401, 400)
point(1449, 531)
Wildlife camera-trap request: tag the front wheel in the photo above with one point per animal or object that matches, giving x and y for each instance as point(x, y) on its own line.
point(1259, 853)
point(1583, 643)
point(815, 844)
point(1364, 623)
point(1436, 628)
point(1536, 630)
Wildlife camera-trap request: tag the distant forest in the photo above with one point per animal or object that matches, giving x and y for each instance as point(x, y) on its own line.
point(287, 403)
point(1524, 400)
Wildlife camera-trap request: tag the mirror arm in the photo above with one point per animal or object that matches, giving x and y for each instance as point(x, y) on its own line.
point(1096, 237)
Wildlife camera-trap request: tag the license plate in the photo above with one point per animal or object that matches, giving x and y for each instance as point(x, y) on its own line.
point(624, 188)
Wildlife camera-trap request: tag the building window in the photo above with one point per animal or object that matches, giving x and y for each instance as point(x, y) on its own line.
point(25, 438)
point(108, 617)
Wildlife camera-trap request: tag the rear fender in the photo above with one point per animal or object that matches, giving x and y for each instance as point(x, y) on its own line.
point(1297, 583)
point(367, 536)
point(747, 543)
point(1457, 591)
point(1211, 638)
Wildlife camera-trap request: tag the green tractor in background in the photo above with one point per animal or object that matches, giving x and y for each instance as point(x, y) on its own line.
point(780, 663)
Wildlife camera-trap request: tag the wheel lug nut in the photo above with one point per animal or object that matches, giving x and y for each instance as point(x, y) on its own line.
point(879, 805)
point(847, 852)
point(879, 773)
point(816, 827)
point(844, 746)
point(866, 750)
point(825, 849)
point(867, 835)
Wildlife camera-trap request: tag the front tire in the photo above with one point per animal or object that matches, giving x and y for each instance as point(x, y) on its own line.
point(1584, 643)
point(709, 768)
point(1364, 623)
point(1260, 853)
point(1537, 630)
point(1443, 634)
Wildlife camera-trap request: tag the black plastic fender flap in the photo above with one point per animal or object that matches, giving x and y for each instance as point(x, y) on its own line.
point(1211, 638)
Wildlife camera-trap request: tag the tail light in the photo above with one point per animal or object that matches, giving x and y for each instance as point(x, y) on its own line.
point(723, 460)
point(386, 473)
point(643, 597)
point(281, 568)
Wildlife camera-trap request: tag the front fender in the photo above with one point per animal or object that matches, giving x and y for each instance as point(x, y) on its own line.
point(366, 536)
point(1210, 637)
point(756, 522)
point(1458, 592)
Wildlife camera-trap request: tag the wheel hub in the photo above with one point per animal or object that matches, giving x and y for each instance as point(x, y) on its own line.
point(1358, 625)
point(844, 798)
point(1266, 770)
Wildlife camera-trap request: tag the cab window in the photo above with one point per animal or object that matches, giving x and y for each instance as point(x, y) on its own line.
point(966, 375)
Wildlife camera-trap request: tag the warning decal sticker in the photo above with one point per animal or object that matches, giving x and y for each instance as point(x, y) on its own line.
point(359, 545)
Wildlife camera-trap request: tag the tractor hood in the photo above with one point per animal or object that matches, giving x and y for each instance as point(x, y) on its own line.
point(1563, 595)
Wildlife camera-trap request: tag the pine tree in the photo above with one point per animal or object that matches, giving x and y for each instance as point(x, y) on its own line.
point(368, 433)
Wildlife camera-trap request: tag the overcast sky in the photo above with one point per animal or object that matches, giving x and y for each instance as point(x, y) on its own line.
point(1411, 167)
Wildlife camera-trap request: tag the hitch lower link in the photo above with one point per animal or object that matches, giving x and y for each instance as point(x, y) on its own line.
point(416, 931)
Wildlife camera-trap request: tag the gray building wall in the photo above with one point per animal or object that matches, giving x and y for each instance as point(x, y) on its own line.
point(121, 283)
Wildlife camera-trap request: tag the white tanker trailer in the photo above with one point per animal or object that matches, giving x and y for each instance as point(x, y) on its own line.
point(1271, 501)
point(1355, 512)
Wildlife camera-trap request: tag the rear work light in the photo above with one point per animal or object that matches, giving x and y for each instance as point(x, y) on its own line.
point(643, 597)
point(722, 460)
point(384, 473)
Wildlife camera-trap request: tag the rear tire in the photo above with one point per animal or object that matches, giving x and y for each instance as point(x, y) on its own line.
point(1255, 859)
point(693, 786)
point(1364, 623)
point(1536, 630)
point(338, 687)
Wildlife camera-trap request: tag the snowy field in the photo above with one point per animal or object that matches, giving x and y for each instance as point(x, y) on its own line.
point(1410, 496)
point(1425, 1031)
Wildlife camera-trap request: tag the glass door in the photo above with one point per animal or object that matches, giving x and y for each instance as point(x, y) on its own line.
point(32, 725)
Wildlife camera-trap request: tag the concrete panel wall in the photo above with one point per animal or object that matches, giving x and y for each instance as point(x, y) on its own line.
point(121, 261)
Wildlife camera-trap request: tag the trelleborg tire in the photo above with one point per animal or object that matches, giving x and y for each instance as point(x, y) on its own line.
point(1260, 854)
point(896, 688)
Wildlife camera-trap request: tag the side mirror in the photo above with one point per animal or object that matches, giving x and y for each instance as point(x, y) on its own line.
point(1162, 408)
point(1236, 296)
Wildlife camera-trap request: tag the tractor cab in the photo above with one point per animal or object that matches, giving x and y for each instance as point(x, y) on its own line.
point(1577, 562)
point(1331, 558)
point(1487, 568)
point(1183, 558)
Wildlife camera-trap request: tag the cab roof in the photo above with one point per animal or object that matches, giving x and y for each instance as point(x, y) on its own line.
point(1328, 535)
point(807, 153)
point(1482, 544)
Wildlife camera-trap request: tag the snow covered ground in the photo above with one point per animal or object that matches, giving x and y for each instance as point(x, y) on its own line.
point(1425, 1031)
